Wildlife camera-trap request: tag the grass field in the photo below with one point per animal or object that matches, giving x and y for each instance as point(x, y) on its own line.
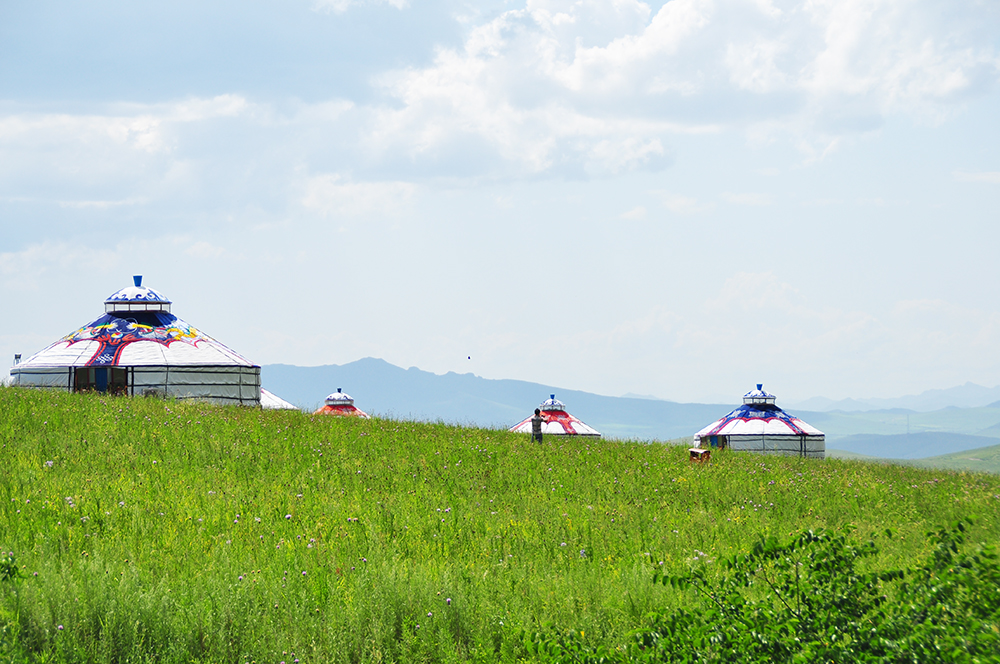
point(148, 530)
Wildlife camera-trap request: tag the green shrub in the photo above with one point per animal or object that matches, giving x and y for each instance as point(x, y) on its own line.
point(807, 600)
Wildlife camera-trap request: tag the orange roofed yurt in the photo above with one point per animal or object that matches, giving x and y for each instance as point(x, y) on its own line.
point(342, 405)
point(138, 347)
point(558, 422)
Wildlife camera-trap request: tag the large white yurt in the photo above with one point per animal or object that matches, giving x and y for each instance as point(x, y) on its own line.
point(341, 404)
point(760, 426)
point(139, 348)
point(558, 422)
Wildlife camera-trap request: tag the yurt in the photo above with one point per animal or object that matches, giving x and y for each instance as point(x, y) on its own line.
point(271, 401)
point(760, 426)
point(557, 422)
point(342, 405)
point(139, 348)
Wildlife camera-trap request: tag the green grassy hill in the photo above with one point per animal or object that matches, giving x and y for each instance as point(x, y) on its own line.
point(148, 530)
point(979, 460)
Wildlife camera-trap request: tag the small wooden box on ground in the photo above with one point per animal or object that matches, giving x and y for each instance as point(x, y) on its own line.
point(699, 455)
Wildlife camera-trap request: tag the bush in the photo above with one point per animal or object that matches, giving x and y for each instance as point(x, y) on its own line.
point(806, 600)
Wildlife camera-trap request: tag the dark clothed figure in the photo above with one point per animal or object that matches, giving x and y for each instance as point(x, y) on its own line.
point(536, 425)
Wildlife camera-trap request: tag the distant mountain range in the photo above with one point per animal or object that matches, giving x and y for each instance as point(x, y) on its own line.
point(891, 432)
point(382, 388)
point(969, 395)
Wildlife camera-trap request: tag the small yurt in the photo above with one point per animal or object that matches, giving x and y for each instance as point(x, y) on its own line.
point(138, 347)
point(557, 422)
point(342, 405)
point(760, 426)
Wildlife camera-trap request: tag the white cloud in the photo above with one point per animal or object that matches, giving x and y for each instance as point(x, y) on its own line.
point(747, 199)
point(759, 328)
point(638, 212)
point(101, 205)
point(563, 82)
point(29, 268)
point(140, 127)
point(992, 177)
point(341, 6)
point(205, 250)
point(683, 204)
point(334, 195)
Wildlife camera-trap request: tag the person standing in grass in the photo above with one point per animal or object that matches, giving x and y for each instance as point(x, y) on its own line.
point(536, 425)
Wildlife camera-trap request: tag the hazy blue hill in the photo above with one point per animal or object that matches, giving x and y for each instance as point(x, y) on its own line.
point(380, 387)
point(969, 395)
point(839, 424)
point(385, 389)
point(991, 431)
point(912, 446)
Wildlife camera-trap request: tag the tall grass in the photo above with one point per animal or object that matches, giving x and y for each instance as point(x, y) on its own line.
point(148, 530)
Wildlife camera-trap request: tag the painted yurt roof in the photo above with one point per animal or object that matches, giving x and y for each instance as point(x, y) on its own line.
point(137, 329)
point(557, 422)
point(758, 416)
point(341, 403)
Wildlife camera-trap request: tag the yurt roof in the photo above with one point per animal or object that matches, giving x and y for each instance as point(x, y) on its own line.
point(558, 421)
point(137, 329)
point(341, 403)
point(339, 398)
point(759, 415)
point(271, 401)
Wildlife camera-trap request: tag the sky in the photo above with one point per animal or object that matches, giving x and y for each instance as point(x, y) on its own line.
point(677, 199)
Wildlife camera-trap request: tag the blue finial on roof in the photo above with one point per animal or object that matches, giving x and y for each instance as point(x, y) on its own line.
point(137, 280)
point(760, 386)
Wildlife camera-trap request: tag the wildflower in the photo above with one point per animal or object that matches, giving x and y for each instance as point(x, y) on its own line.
point(288, 516)
point(583, 553)
point(48, 463)
point(303, 572)
point(430, 615)
point(60, 627)
point(240, 578)
point(448, 601)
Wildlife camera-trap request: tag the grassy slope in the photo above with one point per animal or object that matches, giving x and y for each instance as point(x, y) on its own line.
point(151, 511)
point(982, 460)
